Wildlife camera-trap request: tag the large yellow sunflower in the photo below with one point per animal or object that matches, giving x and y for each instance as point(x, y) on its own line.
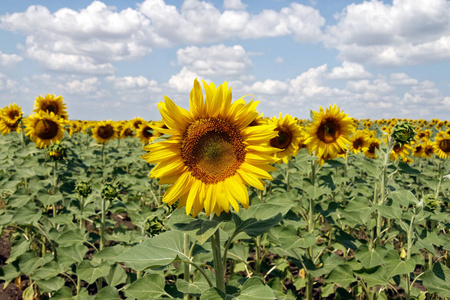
point(400, 151)
point(442, 144)
point(329, 132)
point(104, 131)
point(53, 104)
point(212, 153)
point(288, 137)
point(44, 128)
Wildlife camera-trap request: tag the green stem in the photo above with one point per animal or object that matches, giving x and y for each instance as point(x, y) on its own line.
point(383, 180)
point(408, 256)
point(311, 225)
point(287, 175)
point(441, 175)
point(187, 275)
point(103, 156)
point(81, 211)
point(219, 268)
point(258, 255)
point(102, 225)
point(22, 134)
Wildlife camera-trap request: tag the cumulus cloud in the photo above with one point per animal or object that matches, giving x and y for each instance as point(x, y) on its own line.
point(406, 32)
point(7, 84)
point(217, 60)
point(349, 70)
point(92, 39)
point(130, 82)
point(402, 79)
point(233, 4)
point(9, 59)
point(183, 80)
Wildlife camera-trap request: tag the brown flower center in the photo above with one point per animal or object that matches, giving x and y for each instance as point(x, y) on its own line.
point(51, 107)
point(328, 130)
point(444, 145)
point(105, 132)
point(137, 123)
point(357, 144)
point(372, 147)
point(13, 114)
point(46, 129)
point(212, 149)
point(147, 132)
point(284, 138)
point(128, 132)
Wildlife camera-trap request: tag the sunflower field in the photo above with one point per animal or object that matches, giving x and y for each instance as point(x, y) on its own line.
point(221, 202)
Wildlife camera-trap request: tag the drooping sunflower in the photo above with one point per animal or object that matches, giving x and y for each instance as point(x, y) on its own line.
point(104, 131)
point(442, 144)
point(44, 128)
point(329, 132)
point(288, 137)
point(212, 153)
point(359, 141)
point(146, 134)
point(53, 104)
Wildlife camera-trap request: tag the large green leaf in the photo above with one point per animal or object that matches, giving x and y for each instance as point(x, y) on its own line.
point(116, 276)
point(50, 285)
point(71, 238)
point(160, 250)
point(192, 288)
point(371, 169)
point(107, 293)
point(396, 266)
point(148, 287)
point(373, 277)
point(438, 280)
point(89, 273)
point(198, 228)
point(342, 275)
point(73, 254)
point(371, 258)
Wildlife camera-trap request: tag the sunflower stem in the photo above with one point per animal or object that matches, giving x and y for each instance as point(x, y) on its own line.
point(383, 182)
point(81, 211)
point(258, 255)
point(441, 175)
point(311, 225)
point(22, 135)
point(408, 255)
point(103, 156)
point(219, 268)
point(187, 267)
point(102, 225)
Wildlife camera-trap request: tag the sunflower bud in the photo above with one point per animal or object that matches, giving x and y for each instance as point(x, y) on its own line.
point(432, 202)
point(83, 188)
point(109, 191)
point(403, 133)
point(56, 152)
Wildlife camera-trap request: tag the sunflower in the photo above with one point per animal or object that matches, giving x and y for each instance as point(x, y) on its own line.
point(146, 134)
point(104, 131)
point(12, 114)
point(44, 128)
point(418, 150)
point(374, 144)
point(329, 132)
point(442, 144)
point(126, 130)
point(53, 104)
point(136, 122)
point(400, 151)
point(288, 137)
point(359, 141)
point(428, 149)
point(212, 153)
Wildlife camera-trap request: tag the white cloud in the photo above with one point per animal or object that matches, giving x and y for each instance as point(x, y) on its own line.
point(402, 79)
point(183, 80)
point(9, 59)
point(91, 39)
point(86, 41)
point(406, 32)
point(7, 84)
point(349, 70)
point(82, 87)
point(233, 4)
point(279, 60)
point(133, 83)
point(217, 60)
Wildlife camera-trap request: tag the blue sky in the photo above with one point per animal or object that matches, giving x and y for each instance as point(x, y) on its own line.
point(117, 59)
